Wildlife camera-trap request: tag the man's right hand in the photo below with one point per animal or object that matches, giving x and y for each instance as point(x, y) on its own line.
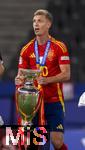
point(19, 80)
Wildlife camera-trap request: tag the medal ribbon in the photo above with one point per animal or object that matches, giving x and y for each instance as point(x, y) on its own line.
point(41, 65)
point(45, 53)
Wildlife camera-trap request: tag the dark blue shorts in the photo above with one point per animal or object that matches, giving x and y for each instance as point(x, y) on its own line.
point(54, 117)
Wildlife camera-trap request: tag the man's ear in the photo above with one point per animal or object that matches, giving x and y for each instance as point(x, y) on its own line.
point(49, 24)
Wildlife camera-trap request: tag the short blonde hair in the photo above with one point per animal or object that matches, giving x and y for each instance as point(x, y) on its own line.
point(44, 12)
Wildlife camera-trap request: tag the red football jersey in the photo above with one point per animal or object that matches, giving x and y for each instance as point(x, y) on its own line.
point(57, 55)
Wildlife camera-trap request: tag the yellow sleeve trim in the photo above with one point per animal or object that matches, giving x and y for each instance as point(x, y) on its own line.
point(25, 47)
point(60, 44)
point(60, 97)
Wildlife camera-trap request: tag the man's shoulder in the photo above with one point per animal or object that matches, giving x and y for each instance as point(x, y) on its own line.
point(27, 46)
point(60, 44)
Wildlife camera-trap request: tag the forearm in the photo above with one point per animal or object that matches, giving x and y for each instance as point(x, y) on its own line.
point(61, 77)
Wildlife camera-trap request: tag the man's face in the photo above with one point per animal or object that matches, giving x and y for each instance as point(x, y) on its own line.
point(41, 25)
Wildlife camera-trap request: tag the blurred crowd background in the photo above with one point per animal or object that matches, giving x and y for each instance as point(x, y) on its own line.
point(69, 27)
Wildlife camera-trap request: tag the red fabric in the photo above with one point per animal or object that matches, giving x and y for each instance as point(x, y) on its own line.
point(57, 55)
point(41, 110)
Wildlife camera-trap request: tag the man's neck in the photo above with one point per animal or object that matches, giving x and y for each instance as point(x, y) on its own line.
point(42, 39)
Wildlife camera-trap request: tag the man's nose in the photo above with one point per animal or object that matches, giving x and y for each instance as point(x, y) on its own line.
point(36, 23)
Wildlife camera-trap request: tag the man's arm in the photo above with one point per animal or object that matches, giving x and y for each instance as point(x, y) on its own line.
point(63, 76)
point(19, 79)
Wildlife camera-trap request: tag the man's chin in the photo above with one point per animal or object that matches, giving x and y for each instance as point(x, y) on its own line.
point(37, 34)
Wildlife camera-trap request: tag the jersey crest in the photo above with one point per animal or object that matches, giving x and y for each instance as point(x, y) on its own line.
point(50, 55)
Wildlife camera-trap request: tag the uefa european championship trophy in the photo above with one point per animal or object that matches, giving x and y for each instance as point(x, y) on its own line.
point(28, 101)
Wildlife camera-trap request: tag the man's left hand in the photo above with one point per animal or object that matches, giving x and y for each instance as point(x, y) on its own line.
point(42, 80)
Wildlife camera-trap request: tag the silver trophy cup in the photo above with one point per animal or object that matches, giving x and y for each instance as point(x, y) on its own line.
point(28, 100)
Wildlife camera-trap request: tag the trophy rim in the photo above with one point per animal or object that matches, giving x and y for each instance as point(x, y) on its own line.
point(31, 71)
point(20, 90)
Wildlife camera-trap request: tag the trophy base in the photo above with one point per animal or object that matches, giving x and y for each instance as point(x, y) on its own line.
point(26, 123)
